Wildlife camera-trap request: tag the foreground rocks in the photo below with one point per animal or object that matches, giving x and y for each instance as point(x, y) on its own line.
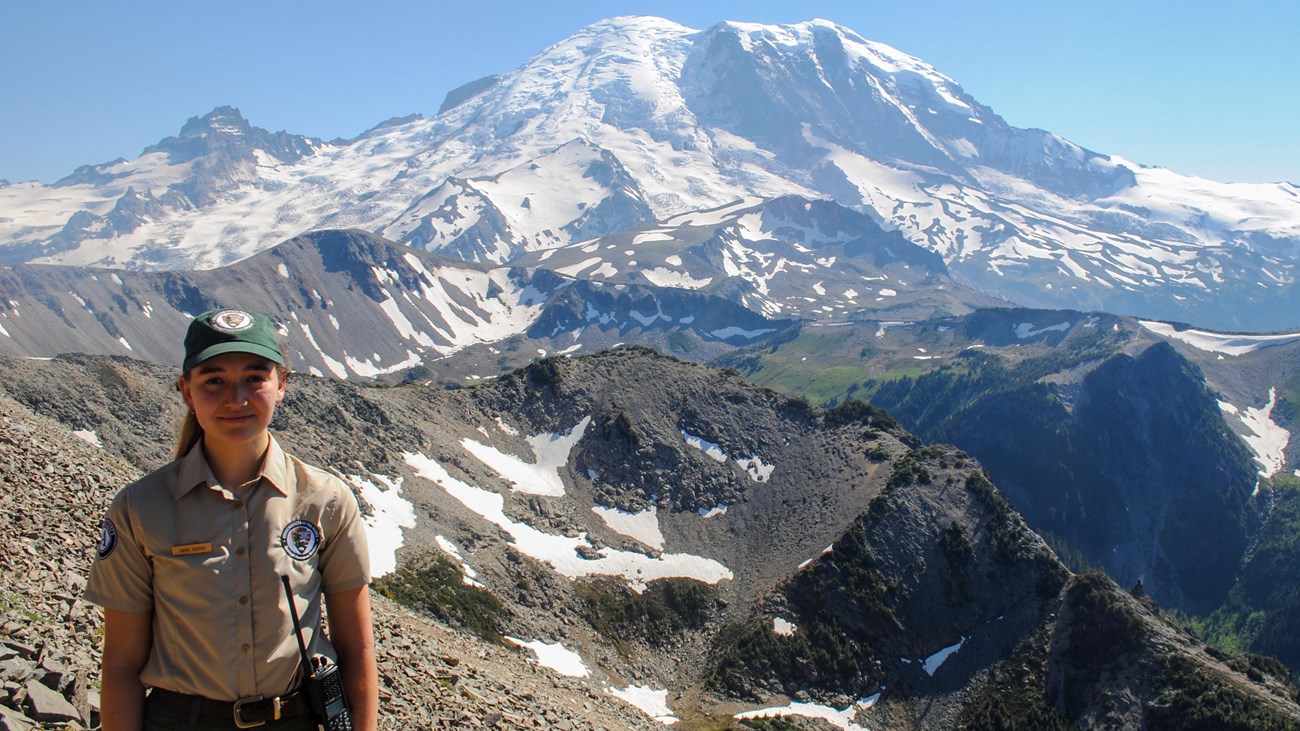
point(54, 487)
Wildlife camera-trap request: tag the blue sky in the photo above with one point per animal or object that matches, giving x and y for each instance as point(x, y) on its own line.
point(1203, 88)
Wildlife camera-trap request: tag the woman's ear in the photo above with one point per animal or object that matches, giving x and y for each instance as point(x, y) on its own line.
point(183, 386)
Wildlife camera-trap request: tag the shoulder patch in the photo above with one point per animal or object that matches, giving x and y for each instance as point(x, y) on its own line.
point(107, 538)
point(300, 539)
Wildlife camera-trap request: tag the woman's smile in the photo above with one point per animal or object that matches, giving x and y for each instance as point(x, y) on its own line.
point(233, 396)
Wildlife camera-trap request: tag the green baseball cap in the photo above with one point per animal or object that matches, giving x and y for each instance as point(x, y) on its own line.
point(217, 332)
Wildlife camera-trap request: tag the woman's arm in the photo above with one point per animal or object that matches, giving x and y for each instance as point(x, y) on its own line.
point(353, 635)
point(128, 637)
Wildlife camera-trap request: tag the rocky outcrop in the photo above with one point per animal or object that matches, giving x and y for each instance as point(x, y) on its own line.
point(54, 488)
point(863, 570)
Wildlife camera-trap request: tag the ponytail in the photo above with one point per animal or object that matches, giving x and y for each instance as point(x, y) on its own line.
point(189, 434)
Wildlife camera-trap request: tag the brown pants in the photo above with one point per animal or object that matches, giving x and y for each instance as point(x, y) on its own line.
point(161, 717)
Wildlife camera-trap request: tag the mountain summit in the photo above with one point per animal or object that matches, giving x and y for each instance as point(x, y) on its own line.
point(635, 120)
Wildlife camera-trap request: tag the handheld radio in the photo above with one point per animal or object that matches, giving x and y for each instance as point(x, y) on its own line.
point(323, 684)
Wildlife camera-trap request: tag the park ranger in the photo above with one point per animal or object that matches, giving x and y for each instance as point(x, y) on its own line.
point(198, 626)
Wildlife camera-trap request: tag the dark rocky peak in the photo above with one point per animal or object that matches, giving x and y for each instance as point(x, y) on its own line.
point(1017, 326)
point(224, 130)
point(90, 174)
point(365, 258)
point(341, 249)
point(133, 209)
point(380, 128)
point(465, 92)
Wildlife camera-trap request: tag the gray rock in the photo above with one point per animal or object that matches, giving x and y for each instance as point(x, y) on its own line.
point(45, 704)
point(16, 669)
point(22, 648)
point(11, 720)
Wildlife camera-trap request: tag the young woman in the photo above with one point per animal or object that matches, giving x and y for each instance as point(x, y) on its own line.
point(198, 630)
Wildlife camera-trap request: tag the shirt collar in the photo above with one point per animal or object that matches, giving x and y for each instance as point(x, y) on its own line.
point(195, 471)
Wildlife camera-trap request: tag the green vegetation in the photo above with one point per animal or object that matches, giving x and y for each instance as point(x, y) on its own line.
point(1015, 698)
point(1017, 709)
point(839, 604)
point(667, 608)
point(544, 373)
point(619, 426)
point(815, 657)
point(681, 342)
point(914, 467)
point(956, 549)
point(824, 365)
point(437, 587)
point(1193, 700)
point(770, 724)
point(861, 412)
point(13, 602)
point(1262, 613)
point(1288, 400)
point(1104, 629)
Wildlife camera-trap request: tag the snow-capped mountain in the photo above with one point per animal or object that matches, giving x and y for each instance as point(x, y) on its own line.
point(783, 257)
point(634, 121)
point(353, 305)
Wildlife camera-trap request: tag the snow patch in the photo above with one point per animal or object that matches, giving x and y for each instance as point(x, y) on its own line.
point(468, 575)
point(1266, 440)
point(758, 471)
point(541, 477)
point(653, 703)
point(711, 450)
point(932, 663)
point(568, 554)
point(754, 465)
point(839, 719)
point(556, 657)
point(89, 437)
point(719, 509)
point(663, 277)
point(643, 526)
point(1027, 330)
point(733, 331)
point(384, 527)
point(1228, 344)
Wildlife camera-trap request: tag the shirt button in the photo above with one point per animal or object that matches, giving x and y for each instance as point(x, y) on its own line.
point(245, 649)
point(239, 551)
point(243, 600)
point(239, 503)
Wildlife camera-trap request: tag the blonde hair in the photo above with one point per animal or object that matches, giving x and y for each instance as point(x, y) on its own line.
point(190, 431)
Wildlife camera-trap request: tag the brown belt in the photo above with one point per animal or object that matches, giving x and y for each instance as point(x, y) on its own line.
point(247, 712)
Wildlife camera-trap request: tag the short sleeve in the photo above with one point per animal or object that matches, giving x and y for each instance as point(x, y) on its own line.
point(121, 577)
point(345, 555)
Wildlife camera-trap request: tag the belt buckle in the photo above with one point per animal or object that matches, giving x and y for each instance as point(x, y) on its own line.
point(239, 708)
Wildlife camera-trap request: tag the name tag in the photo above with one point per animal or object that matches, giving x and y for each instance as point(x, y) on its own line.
point(191, 549)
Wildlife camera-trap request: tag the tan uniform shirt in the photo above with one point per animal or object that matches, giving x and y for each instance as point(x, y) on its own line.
point(207, 563)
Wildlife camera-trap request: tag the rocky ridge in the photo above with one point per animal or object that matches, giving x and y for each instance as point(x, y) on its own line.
point(54, 488)
point(915, 596)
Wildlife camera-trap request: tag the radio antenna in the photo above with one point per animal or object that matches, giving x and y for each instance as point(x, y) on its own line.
point(297, 625)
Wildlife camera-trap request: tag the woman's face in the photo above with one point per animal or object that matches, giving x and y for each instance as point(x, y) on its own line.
point(233, 396)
